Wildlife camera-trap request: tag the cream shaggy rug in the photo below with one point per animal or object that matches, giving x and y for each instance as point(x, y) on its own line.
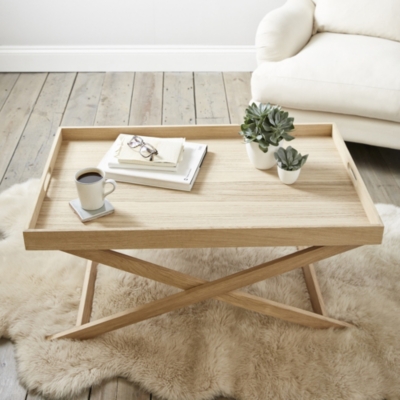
point(211, 348)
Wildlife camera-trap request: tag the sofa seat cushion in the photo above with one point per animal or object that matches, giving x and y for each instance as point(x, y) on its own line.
point(345, 74)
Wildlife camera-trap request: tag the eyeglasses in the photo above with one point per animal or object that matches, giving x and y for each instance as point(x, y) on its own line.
point(146, 150)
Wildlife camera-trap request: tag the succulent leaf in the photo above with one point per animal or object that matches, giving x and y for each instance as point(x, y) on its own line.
point(290, 159)
point(267, 124)
point(263, 146)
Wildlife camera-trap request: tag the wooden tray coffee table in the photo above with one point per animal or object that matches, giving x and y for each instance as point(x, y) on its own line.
point(326, 212)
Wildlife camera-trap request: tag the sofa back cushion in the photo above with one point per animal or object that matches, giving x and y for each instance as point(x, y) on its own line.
point(379, 18)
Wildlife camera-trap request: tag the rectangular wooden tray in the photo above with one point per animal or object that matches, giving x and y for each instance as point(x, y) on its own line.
point(232, 204)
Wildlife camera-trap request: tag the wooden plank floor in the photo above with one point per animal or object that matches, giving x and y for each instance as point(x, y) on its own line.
point(32, 106)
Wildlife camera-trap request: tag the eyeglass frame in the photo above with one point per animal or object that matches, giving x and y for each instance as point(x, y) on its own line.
point(133, 143)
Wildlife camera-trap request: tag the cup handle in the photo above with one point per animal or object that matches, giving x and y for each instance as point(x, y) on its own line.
point(113, 188)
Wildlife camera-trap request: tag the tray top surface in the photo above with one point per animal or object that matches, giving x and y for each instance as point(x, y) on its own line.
point(229, 194)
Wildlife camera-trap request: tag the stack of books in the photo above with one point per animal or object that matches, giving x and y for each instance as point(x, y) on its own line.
point(175, 166)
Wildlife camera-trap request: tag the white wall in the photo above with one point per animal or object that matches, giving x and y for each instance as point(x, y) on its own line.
point(130, 34)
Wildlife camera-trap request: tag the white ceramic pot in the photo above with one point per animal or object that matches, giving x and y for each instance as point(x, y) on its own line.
point(288, 177)
point(260, 159)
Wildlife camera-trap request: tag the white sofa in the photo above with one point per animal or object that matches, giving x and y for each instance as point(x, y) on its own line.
point(334, 61)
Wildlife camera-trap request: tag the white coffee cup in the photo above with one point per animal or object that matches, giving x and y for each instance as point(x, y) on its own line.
point(90, 183)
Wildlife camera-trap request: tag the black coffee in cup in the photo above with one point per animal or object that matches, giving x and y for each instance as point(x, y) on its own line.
point(89, 177)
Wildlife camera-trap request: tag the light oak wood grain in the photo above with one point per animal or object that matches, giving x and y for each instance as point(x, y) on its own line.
point(184, 281)
point(85, 305)
point(46, 178)
point(76, 133)
point(356, 178)
point(206, 291)
point(330, 208)
point(314, 290)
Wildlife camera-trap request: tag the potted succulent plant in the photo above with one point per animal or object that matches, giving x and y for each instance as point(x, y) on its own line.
point(289, 163)
point(263, 129)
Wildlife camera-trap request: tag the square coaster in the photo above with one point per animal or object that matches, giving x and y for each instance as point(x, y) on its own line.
point(86, 215)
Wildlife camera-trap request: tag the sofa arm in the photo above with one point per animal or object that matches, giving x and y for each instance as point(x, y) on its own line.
point(285, 31)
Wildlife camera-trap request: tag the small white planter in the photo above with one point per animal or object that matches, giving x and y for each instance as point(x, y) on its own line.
point(260, 159)
point(288, 177)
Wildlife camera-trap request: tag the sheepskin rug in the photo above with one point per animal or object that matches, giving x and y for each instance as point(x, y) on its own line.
point(210, 348)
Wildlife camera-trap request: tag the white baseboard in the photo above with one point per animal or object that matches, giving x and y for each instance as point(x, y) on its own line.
point(126, 58)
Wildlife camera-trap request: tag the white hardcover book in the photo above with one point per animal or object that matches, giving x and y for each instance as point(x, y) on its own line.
point(182, 178)
point(155, 165)
point(113, 163)
point(169, 151)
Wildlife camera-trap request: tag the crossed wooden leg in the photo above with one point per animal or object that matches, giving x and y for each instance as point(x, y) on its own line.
point(196, 290)
point(85, 306)
point(310, 277)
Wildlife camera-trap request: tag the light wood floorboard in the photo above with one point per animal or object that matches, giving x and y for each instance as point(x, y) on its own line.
point(83, 396)
point(115, 100)
point(380, 174)
point(178, 99)
point(146, 108)
point(7, 82)
point(84, 100)
point(238, 94)
point(15, 114)
point(210, 99)
point(118, 389)
point(33, 105)
point(34, 146)
point(392, 159)
point(10, 389)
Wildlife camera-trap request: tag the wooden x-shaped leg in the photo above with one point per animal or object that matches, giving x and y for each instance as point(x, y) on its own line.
point(196, 290)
